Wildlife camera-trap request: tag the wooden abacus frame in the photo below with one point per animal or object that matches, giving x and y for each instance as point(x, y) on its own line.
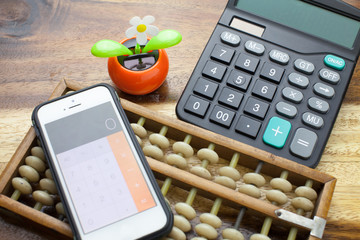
point(225, 147)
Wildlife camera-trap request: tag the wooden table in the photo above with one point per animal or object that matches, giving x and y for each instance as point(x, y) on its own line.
point(42, 42)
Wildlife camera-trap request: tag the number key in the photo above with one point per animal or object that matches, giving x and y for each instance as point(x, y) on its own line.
point(238, 80)
point(205, 88)
point(196, 106)
point(222, 116)
point(264, 90)
point(230, 98)
point(222, 54)
point(272, 72)
point(214, 71)
point(256, 108)
point(247, 63)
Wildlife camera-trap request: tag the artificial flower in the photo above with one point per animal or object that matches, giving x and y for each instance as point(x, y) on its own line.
point(141, 27)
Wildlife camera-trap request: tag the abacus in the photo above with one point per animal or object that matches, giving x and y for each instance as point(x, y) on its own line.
point(217, 188)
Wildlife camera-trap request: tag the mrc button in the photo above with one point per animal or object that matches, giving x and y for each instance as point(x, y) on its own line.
point(334, 62)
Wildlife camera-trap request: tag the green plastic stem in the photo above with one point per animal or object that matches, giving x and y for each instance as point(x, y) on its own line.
point(216, 206)
point(166, 186)
point(163, 130)
point(190, 198)
point(234, 160)
point(141, 121)
point(266, 226)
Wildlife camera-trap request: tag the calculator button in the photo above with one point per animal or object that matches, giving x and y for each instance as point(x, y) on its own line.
point(298, 80)
point(222, 54)
point(238, 80)
point(230, 38)
point(196, 106)
point(271, 72)
point(286, 109)
point(247, 63)
point(304, 66)
point(222, 116)
point(277, 132)
point(214, 71)
point(324, 90)
point(264, 90)
point(329, 76)
point(292, 95)
point(279, 57)
point(334, 62)
point(256, 108)
point(254, 48)
point(205, 88)
point(230, 98)
point(303, 143)
point(248, 126)
point(318, 105)
point(312, 120)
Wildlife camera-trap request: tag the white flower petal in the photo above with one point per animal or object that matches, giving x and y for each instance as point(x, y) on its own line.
point(141, 38)
point(130, 32)
point(152, 30)
point(148, 19)
point(135, 21)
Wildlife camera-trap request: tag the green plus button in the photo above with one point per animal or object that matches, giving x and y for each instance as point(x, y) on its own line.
point(277, 132)
point(334, 62)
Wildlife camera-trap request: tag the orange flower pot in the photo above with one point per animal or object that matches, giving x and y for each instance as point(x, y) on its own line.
point(139, 81)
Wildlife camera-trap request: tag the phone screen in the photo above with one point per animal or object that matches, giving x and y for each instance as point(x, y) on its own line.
point(101, 173)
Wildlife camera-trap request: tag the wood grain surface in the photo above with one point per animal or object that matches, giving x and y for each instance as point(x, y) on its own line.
point(42, 42)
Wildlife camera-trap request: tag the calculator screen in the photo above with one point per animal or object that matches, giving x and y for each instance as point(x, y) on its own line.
point(101, 173)
point(306, 18)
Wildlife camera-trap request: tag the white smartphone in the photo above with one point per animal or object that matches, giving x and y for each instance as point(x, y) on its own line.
point(102, 175)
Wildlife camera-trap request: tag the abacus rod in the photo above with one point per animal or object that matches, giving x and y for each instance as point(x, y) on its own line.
point(259, 167)
point(16, 195)
point(163, 130)
point(240, 217)
point(141, 121)
point(190, 198)
point(266, 226)
point(166, 186)
point(216, 206)
point(293, 231)
point(234, 160)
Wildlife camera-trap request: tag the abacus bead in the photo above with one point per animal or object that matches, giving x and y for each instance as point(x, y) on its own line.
point(232, 234)
point(255, 179)
point(182, 223)
point(139, 140)
point(48, 174)
point(250, 190)
point(306, 192)
point(205, 230)
point(230, 172)
point(259, 236)
point(186, 210)
point(38, 152)
point(138, 130)
point(276, 196)
point(35, 163)
point(176, 160)
point(201, 172)
point(184, 148)
point(177, 234)
point(48, 185)
point(43, 197)
point(302, 203)
point(211, 219)
point(208, 154)
point(28, 172)
point(225, 181)
point(281, 184)
point(198, 238)
point(160, 140)
point(60, 208)
point(153, 151)
point(22, 185)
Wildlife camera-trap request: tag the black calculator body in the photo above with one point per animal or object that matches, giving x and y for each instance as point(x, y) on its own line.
point(274, 73)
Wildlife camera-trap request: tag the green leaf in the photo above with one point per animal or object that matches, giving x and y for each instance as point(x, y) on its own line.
point(164, 39)
point(109, 48)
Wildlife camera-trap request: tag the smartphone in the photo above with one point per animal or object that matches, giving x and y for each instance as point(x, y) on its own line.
point(102, 175)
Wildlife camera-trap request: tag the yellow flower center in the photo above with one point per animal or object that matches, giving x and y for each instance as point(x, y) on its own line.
point(141, 28)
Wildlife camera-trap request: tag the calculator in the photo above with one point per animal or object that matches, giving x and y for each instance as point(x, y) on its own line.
point(274, 73)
